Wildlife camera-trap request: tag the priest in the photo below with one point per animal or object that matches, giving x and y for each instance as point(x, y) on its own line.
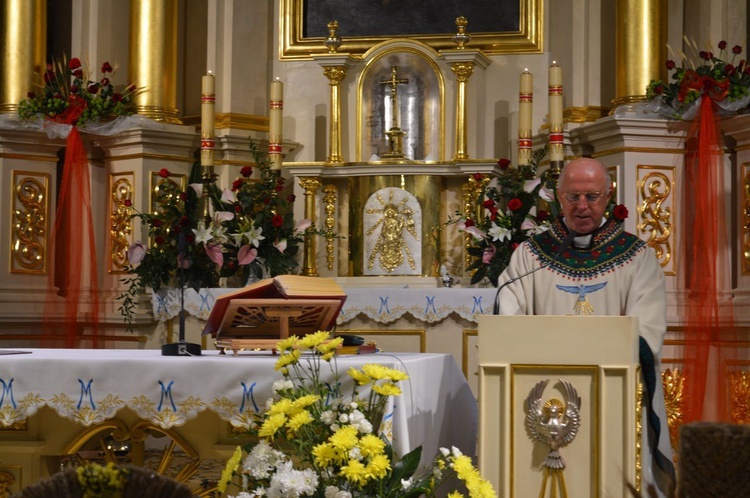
point(588, 265)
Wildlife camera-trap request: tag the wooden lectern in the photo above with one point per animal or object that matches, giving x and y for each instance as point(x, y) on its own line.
point(598, 357)
point(261, 314)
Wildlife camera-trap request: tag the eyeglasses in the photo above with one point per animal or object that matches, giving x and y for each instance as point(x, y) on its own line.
point(591, 197)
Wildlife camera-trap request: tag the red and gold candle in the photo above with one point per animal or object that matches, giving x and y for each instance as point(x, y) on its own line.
point(556, 152)
point(208, 102)
point(275, 115)
point(525, 100)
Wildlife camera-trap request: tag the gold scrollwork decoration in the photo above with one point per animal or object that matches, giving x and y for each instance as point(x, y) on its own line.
point(120, 221)
point(329, 198)
point(638, 433)
point(655, 219)
point(673, 381)
point(6, 483)
point(30, 215)
point(739, 392)
point(472, 190)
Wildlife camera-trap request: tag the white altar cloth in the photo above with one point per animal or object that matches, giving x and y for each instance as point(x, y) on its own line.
point(436, 408)
point(380, 304)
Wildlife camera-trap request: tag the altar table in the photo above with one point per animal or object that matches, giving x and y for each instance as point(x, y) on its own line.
point(87, 387)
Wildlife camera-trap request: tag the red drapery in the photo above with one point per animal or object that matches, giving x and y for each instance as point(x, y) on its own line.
point(72, 300)
point(710, 332)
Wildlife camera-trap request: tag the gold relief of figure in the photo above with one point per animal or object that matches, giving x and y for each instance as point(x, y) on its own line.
point(120, 222)
point(391, 245)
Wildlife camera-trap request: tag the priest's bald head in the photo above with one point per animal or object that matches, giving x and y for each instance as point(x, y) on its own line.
point(584, 191)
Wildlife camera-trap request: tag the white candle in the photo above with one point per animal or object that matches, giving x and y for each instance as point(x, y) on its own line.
point(275, 115)
point(525, 99)
point(556, 152)
point(208, 100)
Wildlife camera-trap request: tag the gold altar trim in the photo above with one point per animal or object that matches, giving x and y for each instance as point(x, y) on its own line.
point(234, 120)
point(586, 114)
point(527, 40)
point(158, 157)
point(29, 157)
point(645, 150)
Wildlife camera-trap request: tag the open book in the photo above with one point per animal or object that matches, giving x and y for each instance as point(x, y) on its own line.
point(276, 308)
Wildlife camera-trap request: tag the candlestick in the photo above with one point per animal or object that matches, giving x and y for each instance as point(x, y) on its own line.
point(275, 114)
point(525, 99)
point(208, 100)
point(555, 113)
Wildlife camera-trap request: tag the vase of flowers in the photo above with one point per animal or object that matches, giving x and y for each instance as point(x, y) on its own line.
point(250, 234)
point(518, 206)
point(725, 79)
point(314, 439)
point(71, 94)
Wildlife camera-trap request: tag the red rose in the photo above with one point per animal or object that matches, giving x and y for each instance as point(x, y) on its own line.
point(78, 73)
point(489, 203)
point(237, 184)
point(291, 198)
point(736, 50)
point(729, 69)
point(183, 196)
point(106, 67)
point(670, 65)
point(469, 223)
point(184, 220)
point(515, 204)
point(279, 188)
point(164, 173)
point(542, 215)
point(128, 202)
point(478, 177)
point(176, 229)
point(503, 164)
point(246, 171)
point(722, 44)
point(73, 88)
point(620, 212)
point(157, 222)
point(514, 246)
point(277, 220)
point(267, 201)
point(130, 88)
point(93, 87)
point(74, 63)
point(159, 240)
point(238, 209)
point(116, 97)
point(49, 76)
point(32, 95)
point(104, 81)
point(704, 55)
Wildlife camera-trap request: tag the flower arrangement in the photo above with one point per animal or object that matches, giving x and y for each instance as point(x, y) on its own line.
point(99, 481)
point(725, 80)
point(510, 215)
point(315, 440)
point(70, 95)
point(250, 234)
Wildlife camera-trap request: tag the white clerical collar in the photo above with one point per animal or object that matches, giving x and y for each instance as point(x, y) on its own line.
point(585, 240)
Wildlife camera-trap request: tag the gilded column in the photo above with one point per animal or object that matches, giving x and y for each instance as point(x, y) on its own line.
point(153, 58)
point(335, 75)
point(311, 186)
point(23, 49)
point(640, 47)
point(463, 71)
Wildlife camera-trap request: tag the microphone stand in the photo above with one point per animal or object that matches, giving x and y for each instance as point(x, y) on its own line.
point(563, 247)
point(181, 347)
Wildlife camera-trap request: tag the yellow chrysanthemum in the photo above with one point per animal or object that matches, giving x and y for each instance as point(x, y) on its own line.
point(463, 467)
point(287, 344)
point(283, 405)
point(287, 359)
point(305, 401)
point(232, 465)
point(359, 377)
point(328, 356)
point(378, 467)
point(455, 494)
point(354, 472)
point(387, 389)
point(271, 425)
point(325, 455)
point(298, 420)
point(345, 438)
point(378, 372)
point(330, 346)
point(371, 445)
point(311, 341)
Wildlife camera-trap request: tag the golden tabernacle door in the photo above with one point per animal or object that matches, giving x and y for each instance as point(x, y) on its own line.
point(558, 399)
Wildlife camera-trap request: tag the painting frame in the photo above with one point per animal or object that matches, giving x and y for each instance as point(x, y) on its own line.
point(528, 39)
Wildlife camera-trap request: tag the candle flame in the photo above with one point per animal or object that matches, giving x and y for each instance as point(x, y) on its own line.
point(526, 70)
point(554, 63)
point(210, 73)
point(277, 78)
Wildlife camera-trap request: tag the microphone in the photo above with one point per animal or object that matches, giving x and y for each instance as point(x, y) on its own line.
point(563, 247)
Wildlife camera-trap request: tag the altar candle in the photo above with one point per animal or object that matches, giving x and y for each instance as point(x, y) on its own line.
point(525, 99)
point(275, 114)
point(208, 99)
point(555, 113)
